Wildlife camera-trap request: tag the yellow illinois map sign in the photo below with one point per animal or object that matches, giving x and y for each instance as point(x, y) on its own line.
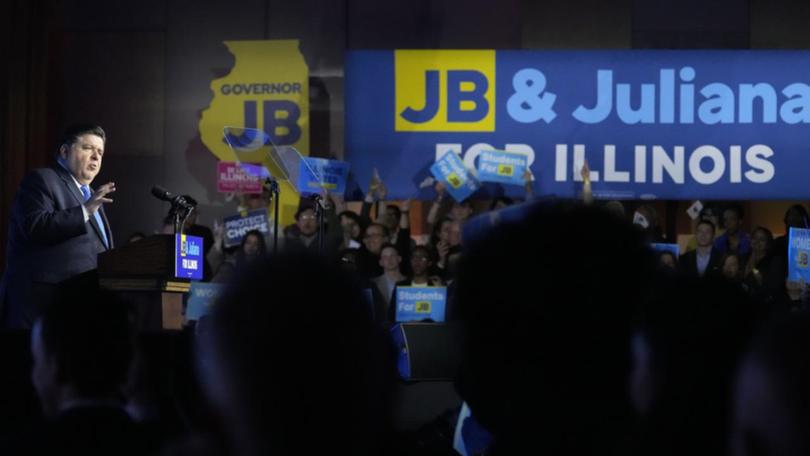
point(266, 90)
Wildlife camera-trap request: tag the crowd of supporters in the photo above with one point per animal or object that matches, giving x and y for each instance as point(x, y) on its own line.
point(576, 336)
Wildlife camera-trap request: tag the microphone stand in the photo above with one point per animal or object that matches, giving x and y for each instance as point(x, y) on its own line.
point(319, 214)
point(178, 223)
point(273, 186)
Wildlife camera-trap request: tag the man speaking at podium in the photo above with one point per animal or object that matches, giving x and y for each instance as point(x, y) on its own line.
point(57, 226)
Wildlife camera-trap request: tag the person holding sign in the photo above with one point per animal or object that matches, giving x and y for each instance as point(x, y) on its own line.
point(396, 219)
point(421, 264)
point(57, 227)
point(795, 217)
point(458, 211)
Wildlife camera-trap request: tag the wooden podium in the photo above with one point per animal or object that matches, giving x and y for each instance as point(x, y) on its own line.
point(142, 274)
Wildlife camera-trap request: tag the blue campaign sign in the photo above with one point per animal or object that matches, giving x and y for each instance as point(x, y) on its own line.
point(502, 167)
point(799, 255)
point(236, 226)
point(328, 174)
point(421, 303)
point(188, 257)
point(201, 297)
point(674, 248)
point(651, 124)
point(450, 170)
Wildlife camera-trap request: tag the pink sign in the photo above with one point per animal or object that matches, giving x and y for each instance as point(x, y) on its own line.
point(239, 177)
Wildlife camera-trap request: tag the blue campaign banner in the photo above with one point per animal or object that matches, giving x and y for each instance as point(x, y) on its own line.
point(332, 172)
point(799, 255)
point(651, 124)
point(674, 248)
point(421, 303)
point(201, 297)
point(188, 257)
point(236, 226)
point(450, 170)
point(502, 167)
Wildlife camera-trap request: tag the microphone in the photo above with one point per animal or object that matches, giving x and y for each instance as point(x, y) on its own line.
point(176, 200)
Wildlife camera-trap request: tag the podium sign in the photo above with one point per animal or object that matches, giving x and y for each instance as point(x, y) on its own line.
point(188, 257)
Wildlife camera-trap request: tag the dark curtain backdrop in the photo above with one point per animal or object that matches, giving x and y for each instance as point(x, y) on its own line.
point(30, 49)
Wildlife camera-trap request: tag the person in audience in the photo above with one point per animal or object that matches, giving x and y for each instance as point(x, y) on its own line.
point(279, 389)
point(646, 219)
point(82, 349)
point(795, 217)
point(304, 235)
point(763, 272)
point(421, 269)
point(734, 240)
point(375, 236)
point(731, 268)
point(398, 222)
point(771, 413)
point(445, 237)
point(390, 261)
point(616, 208)
point(704, 260)
point(544, 361)
point(458, 211)
point(393, 219)
point(352, 231)
point(687, 345)
point(667, 260)
point(422, 260)
point(255, 201)
point(708, 212)
point(439, 233)
point(251, 249)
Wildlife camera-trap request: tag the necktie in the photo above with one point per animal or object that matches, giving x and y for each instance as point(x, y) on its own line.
point(86, 192)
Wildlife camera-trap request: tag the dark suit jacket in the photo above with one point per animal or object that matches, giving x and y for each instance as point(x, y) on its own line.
point(688, 264)
point(48, 242)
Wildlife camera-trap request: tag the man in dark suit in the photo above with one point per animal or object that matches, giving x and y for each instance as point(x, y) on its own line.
point(705, 259)
point(57, 226)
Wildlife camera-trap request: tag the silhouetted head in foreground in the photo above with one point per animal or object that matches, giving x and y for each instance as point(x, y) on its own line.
point(293, 362)
point(547, 346)
point(772, 401)
point(82, 348)
point(689, 341)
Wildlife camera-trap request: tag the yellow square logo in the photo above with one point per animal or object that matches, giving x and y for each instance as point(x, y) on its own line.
point(454, 180)
point(444, 90)
point(423, 307)
point(505, 170)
